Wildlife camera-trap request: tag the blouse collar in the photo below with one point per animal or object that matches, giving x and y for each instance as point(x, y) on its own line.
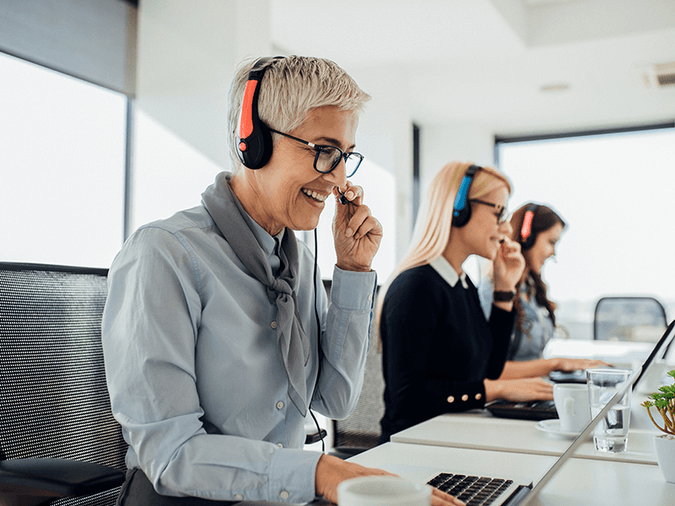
point(443, 267)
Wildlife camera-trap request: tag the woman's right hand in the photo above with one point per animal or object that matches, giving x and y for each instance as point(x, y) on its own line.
point(331, 471)
point(572, 364)
point(518, 390)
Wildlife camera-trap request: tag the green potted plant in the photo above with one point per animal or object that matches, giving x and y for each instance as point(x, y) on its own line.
point(664, 403)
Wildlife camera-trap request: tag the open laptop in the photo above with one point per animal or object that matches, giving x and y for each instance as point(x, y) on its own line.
point(545, 410)
point(475, 491)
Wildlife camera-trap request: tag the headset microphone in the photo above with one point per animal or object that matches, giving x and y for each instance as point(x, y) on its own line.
point(254, 139)
point(526, 236)
point(461, 211)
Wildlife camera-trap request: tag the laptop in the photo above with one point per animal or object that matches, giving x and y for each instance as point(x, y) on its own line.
point(545, 410)
point(475, 490)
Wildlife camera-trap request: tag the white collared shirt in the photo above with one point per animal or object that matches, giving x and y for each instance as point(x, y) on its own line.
point(447, 272)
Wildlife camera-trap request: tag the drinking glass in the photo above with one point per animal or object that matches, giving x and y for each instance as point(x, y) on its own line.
point(611, 432)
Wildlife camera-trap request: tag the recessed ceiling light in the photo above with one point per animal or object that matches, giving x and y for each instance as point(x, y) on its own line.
point(555, 87)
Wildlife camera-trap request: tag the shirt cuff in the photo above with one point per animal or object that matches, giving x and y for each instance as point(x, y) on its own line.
point(292, 476)
point(353, 290)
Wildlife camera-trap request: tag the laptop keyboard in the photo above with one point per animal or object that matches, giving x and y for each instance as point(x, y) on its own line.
point(473, 490)
point(532, 410)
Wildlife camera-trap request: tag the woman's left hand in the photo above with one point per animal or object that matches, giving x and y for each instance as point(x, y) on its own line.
point(356, 232)
point(509, 265)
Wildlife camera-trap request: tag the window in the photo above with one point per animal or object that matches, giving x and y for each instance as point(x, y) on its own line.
point(63, 163)
point(379, 189)
point(615, 191)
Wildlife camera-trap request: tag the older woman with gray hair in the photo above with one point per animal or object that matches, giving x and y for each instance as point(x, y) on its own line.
point(217, 332)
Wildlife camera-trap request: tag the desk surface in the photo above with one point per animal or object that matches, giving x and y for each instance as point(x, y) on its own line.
point(618, 353)
point(579, 481)
point(484, 432)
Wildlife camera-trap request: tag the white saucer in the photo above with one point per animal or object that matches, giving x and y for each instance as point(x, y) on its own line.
point(553, 427)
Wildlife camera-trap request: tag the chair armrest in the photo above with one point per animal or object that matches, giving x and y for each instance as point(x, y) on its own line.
point(315, 437)
point(56, 478)
point(345, 452)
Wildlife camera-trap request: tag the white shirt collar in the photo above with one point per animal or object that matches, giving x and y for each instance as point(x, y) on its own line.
point(447, 272)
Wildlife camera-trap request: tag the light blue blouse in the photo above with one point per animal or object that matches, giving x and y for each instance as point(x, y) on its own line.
point(190, 344)
point(537, 325)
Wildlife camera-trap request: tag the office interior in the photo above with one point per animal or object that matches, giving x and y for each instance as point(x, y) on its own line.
point(448, 80)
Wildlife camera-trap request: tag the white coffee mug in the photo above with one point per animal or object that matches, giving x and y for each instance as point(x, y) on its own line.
point(382, 491)
point(571, 403)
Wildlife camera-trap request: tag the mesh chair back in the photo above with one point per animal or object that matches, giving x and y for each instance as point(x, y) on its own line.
point(53, 396)
point(629, 319)
point(361, 429)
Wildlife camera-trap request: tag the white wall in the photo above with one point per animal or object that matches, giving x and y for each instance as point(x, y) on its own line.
point(385, 137)
point(463, 142)
point(187, 57)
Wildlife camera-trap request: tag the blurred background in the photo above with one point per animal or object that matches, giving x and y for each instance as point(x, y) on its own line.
point(114, 114)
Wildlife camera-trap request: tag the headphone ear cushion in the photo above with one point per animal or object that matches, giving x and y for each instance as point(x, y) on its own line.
point(256, 150)
point(461, 217)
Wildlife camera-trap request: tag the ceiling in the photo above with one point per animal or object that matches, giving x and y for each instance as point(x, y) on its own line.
point(518, 67)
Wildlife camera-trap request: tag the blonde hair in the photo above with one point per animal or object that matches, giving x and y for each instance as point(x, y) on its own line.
point(434, 225)
point(290, 88)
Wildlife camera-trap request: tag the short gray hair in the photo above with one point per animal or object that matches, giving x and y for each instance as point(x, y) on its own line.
point(290, 88)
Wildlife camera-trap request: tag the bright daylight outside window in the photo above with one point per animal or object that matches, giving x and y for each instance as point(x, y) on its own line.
point(62, 162)
point(615, 192)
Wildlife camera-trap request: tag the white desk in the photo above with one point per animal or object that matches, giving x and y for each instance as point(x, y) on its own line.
point(481, 432)
point(617, 353)
point(578, 482)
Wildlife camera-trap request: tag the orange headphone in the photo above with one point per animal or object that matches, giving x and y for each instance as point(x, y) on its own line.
point(254, 139)
point(526, 237)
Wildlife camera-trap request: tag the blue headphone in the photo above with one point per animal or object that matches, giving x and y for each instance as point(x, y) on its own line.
point(461, 212)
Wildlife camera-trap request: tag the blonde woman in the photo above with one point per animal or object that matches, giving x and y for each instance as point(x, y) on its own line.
point(440, 354)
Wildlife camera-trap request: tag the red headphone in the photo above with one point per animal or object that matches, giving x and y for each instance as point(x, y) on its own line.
point(254, 139)
point(526, 237)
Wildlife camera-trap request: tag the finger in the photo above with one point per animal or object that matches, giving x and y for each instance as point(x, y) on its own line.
point(360, 221)
point(370, 225)
point(353, 194)
point(439, 498)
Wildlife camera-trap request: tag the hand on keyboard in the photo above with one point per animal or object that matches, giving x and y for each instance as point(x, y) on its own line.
point(525, 389)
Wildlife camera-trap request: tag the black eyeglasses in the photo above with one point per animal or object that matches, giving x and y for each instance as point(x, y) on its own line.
point(328, 157)
point(502, 215)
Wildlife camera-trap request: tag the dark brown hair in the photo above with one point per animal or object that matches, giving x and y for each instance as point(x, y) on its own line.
point(544, 218)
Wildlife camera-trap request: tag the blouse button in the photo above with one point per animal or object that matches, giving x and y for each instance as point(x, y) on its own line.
point(465, 397)
point(370, 297)
point(238, 497)
point(284, 495)
point(273, 325)
point(479, 396)
point(451, 399)
point(280, 445)
point(280, 405)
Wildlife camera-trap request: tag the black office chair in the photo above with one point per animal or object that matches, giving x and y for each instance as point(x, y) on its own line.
point(360, 431)
point(59, 443)
point(629, 319)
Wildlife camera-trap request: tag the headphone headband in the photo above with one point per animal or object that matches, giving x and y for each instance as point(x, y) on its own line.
point(461, 211)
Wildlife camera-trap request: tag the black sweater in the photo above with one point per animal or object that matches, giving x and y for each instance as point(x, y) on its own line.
point(437, 348)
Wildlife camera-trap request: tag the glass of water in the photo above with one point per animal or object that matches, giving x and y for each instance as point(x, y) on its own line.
point(611, 433)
